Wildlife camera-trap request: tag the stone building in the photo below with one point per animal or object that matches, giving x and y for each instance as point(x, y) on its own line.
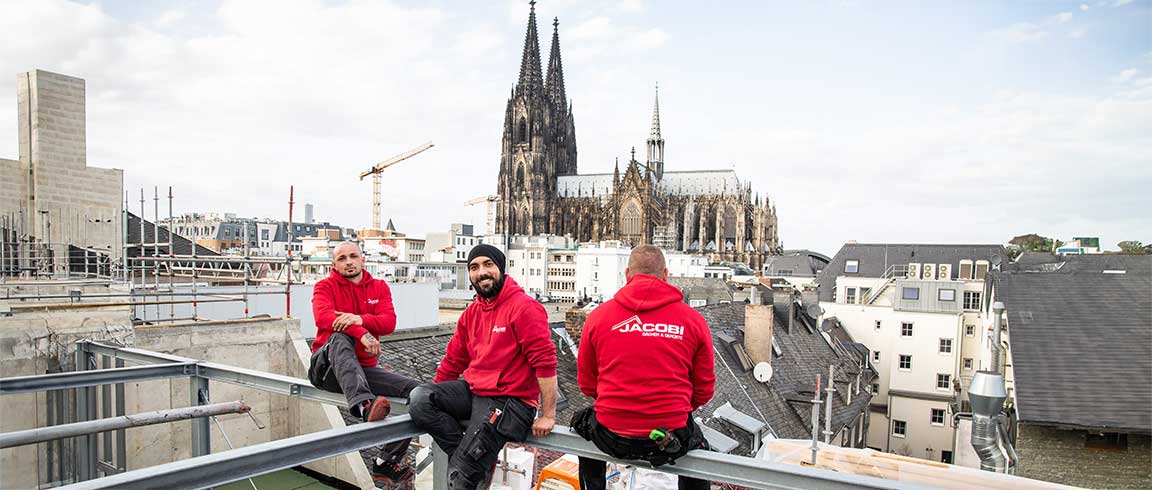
point(710, 212)
point(54, 208)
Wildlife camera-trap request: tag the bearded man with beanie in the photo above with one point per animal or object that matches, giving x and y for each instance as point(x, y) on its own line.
point(646, 358)
point(352, 309)
point(499, 368)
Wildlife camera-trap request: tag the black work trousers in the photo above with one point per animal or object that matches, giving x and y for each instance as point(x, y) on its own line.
point(359, 384)
point(592, 471)
point(443, 409)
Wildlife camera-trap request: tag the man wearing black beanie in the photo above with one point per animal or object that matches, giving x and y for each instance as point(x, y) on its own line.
point(485, 285)
point(499, 368)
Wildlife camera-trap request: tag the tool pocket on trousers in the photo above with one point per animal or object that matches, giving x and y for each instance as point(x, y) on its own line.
point(320, 367)
point(516, 420)
point(483, 441)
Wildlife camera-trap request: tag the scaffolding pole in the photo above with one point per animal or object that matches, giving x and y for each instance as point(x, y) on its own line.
point(33, 436)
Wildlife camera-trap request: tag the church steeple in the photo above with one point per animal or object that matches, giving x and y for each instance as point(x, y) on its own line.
point(530, 77)
point(554, 84)
point(656, 141)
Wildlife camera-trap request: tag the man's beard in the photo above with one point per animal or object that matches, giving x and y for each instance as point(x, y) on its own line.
point(491, 291)
point(349, 275)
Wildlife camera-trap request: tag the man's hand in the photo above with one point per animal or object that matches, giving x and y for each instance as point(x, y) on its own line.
point(543, 426)
point(371, 344)
point(345, 320)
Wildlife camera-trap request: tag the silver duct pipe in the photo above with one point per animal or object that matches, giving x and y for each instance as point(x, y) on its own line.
point(997, 349)
point(987, 394)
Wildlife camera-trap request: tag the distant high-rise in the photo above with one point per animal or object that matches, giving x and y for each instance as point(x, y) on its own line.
point(308, 214)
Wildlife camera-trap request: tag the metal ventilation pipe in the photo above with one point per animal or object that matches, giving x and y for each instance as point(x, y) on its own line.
point(997, 354)
point(986, 393)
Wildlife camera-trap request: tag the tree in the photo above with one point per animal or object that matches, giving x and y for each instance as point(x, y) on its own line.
point(1029, 243)
point(1133, 247)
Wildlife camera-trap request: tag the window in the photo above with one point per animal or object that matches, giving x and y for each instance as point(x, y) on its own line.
point(971, 300)
point(945, 346)
point(851, 266)
point(969, 330)
point(875, 355)
point(938, 416)
point(946, 456)
point(905, 362)
point(946, 295)
point(943, 381)
point(906, 329)
point(1113, 441)
point(864, 294)
point(968, 363)
point(877, 325)
point(899, 428)
point(875, 388)
point(850, 296)
point(910, 293)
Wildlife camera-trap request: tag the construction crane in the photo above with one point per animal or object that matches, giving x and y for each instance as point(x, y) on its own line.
point(491, 200)
point(375, 173)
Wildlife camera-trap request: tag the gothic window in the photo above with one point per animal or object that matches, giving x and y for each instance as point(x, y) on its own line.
point(630, 220)
point(522, 131)
point(519, 177)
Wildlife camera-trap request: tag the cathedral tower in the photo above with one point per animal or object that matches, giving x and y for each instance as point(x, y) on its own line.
point(655, 141)
point(539, 141)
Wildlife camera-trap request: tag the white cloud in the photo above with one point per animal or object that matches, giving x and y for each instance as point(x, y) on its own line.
point(1077, 33)
point(595, 28)
point(1021, 32)
point(649, 39)
point(1121, 3)
point(1125, 75)
point(1084, 7)
point(1062, 17)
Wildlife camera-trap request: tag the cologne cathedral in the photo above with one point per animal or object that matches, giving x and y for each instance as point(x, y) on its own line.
point(710, 212)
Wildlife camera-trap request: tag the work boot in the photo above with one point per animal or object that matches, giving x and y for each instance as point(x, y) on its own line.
point(375, 410)
point(391, 472)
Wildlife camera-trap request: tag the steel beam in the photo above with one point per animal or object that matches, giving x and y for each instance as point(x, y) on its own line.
point(727, 468)
point(201, 430)
point(275, 383)
point(82, 379)
point(238, 464)
point(33, 436)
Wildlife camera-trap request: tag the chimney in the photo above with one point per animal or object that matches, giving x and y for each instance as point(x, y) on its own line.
point(574, 323)
point(758, 332)
point(809, 296)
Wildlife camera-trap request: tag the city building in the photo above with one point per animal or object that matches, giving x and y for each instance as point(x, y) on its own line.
point(540, 191)
point(1077, 336)
point(452, 245)
point(53, 205)
point(1080, 246)
point(528, 259)
point(917, 308)
point(600, 269)
point(796, 267)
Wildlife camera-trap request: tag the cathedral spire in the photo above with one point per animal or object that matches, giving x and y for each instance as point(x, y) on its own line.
point(530, 77)
point(554, 84)
point(655, 135)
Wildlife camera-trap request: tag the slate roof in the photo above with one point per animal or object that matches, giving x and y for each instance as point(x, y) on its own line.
point(711, 288)
point(875, 258)
point(1081, 340)
point(799, 262)
point(180, 245)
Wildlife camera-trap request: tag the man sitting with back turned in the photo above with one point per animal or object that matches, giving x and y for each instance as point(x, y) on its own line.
point(503, 349)
point(646, 357)
point(352, 309)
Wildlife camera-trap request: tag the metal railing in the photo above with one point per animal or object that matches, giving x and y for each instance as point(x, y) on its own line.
point(205, 470)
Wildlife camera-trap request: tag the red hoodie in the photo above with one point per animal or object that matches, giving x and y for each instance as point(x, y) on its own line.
point(501, 346)
point(370, 298)
point(646, 357)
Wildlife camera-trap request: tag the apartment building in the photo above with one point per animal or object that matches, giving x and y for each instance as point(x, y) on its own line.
point(917, 308)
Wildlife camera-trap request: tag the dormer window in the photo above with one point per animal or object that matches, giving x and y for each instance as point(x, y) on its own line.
point(851, 266)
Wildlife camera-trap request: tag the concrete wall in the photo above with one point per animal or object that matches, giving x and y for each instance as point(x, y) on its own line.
point(1059, 456)
point(81, 204)
point(37, 342)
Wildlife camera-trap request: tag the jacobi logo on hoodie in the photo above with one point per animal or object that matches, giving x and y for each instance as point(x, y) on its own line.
point(662, 330)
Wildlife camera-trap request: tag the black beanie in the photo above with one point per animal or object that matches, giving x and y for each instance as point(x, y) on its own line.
point(485, 250)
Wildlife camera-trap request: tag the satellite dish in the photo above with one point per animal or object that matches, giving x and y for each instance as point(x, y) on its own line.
point(762, 372)
point(815, 311)
point(996, 261)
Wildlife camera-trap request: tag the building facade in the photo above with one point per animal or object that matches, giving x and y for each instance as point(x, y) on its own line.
point(917, 309)
point(540, 192)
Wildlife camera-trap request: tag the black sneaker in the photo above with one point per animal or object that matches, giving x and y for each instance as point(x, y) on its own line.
point(391, 472)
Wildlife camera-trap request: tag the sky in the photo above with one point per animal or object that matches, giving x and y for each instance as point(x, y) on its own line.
point(873, 121)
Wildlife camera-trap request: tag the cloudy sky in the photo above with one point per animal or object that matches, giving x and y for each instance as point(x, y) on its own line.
point(875, 121)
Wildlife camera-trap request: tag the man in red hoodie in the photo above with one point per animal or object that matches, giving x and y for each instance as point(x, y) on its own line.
point(646, 357)
point(351, 309)
point(502, 347)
